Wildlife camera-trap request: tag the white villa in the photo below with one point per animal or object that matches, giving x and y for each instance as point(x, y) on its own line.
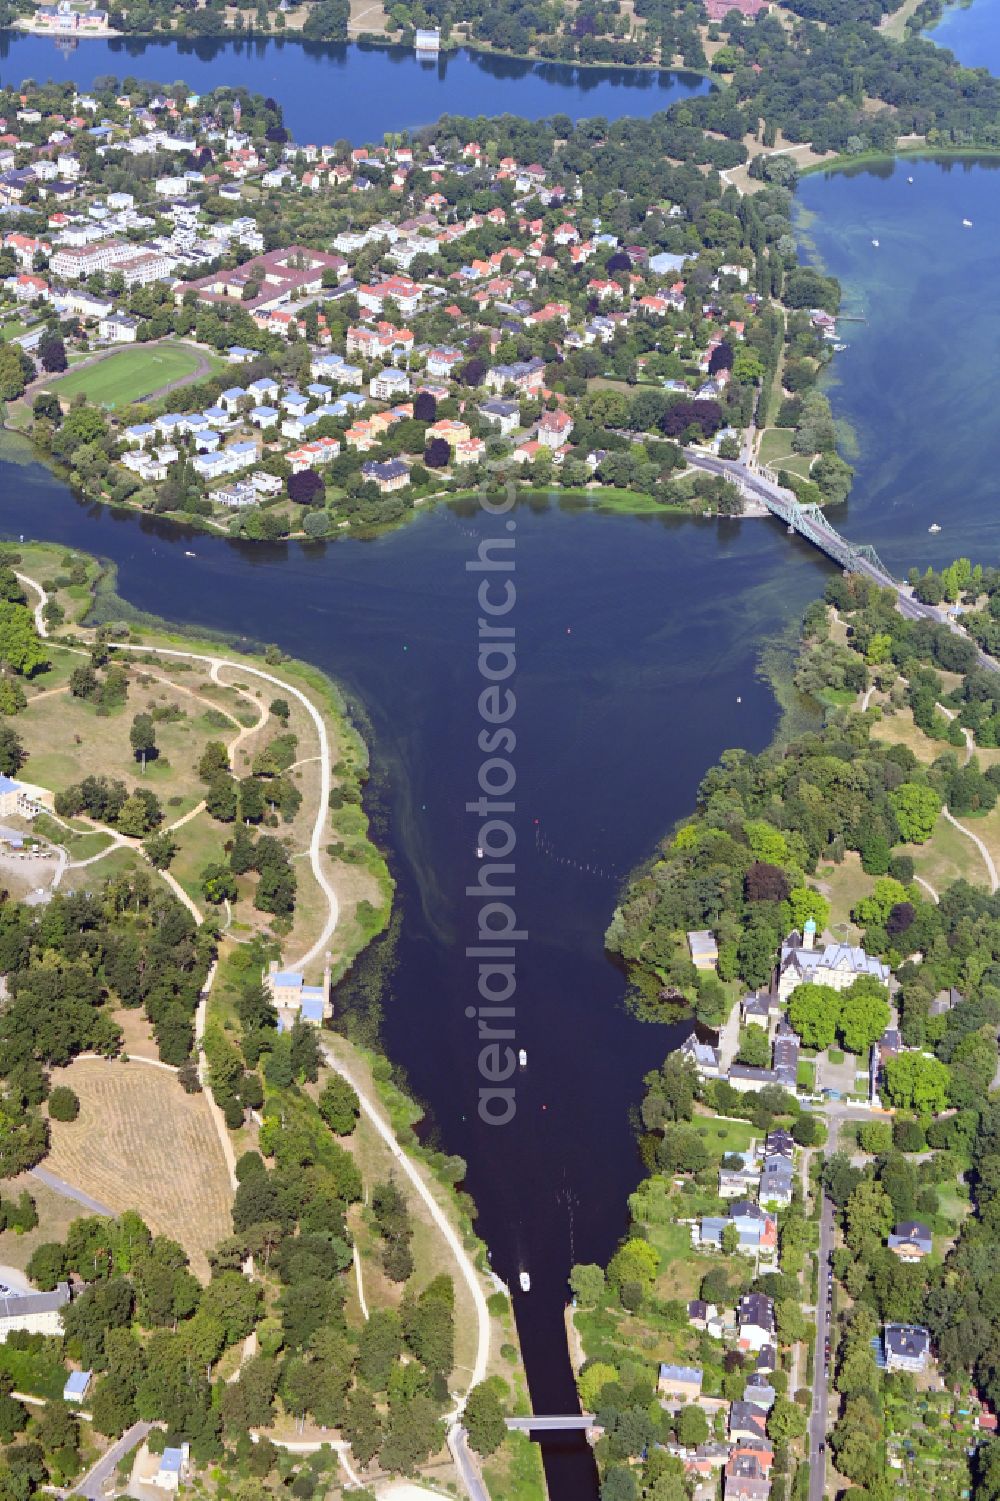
point(294, 999)
point(835, 964)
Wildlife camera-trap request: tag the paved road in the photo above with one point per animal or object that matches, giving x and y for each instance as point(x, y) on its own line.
point(69, 1192)
point(819, 1416)
point(92, 1484)
point(466, 1465)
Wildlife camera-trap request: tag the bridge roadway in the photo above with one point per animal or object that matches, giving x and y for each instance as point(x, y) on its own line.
point(812, 525)
point(562, 1423)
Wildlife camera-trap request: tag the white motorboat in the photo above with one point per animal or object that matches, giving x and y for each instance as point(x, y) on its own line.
point(522, 1057)
point(190, 554)
point(933, 527)
point(525, 1282)
point(875, 243)
point(479, 852)
point(966, 223)
point(909, 179)
point(839, 348)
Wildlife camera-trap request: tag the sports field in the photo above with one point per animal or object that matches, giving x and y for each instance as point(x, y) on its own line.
point(131, 374)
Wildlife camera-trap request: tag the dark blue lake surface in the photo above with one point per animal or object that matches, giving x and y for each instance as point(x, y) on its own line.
point(331, 90)
point(635, 640)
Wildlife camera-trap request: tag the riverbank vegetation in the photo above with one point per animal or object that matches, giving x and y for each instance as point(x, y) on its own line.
point(763, 853)
point(755, 859)
point(262, 1249)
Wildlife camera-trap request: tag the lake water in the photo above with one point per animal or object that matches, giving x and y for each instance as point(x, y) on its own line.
point(331, 90)
point(635, 639)
point(972, 32)
point(914, 382)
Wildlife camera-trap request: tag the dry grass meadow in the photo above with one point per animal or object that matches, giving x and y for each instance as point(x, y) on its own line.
point(141, 1143)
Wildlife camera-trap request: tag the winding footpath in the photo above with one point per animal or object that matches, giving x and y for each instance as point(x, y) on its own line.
point(369, 1108)
point(991, 869)
point(970, 746)
point(216, 664)
point(465, 1264)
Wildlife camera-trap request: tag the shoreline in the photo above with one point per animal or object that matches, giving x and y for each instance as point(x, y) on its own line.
point(393, 1113)
point(370, 40)
point(605, 498)
point(911, 153)
point(148, 632)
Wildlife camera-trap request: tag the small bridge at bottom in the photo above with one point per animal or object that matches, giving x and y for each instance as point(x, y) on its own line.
point(571, 1422)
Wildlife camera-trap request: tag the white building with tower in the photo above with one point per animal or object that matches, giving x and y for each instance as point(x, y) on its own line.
point(835, 964)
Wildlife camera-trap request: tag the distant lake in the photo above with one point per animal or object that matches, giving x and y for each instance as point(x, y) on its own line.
point(915, 380)
point(330, 90)
point(972, 32)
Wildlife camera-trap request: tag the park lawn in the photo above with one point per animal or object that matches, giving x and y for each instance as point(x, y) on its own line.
point(954, 1206)
point(129, 374)
point(514, 1472)
point(953, 1202)
point(119, 862)
point(722, 1134)
point(140, 1142)
point(776, 449)
point(56, 674)
point(41, 1373)
point(843, 885)
point(899, 729)
point(837, 698)
point(987, 826)
point(84, 846)
point(46, 563)
point(200, 842)
point(55, 1215)
point(89, 744)
point(358, 885)
point(949, 856)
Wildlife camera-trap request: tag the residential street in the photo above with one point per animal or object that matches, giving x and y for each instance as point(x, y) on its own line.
point(819, 1414)
point(92, 1484)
